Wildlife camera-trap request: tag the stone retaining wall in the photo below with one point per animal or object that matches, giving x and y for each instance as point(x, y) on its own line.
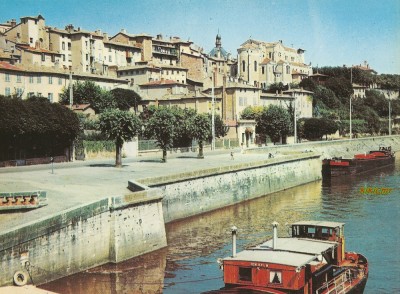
point(111, 230)
point(188, 194)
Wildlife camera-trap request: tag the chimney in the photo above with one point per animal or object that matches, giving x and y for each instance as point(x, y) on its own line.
point(105, 36)
point(123, 31)
point(13, 22)
point(275, 239)
point(234, 232)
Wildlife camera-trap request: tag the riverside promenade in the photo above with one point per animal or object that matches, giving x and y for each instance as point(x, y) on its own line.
point(72, 184)
point(75, 183)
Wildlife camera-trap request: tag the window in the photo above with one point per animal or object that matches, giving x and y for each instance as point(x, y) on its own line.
point(263, 69)
point(30, 79)
point(43, 57)
point(69, 57)
point(63, 45)
point(69, 46)
point(255, 65)
point(18, 78)
point(288, 69)
point(53, 58)
point(39, 79)
point(31, 40)
point(50, 80)
point(60, 81)
point(19, 92)
point(110, 58)
point(7, 91)
point(109, 49)
point(7, 77)
point(87, 57)
point(275, 277)
point(243, 66)
point(31, 94)
point(50, 97)
point(63, 57)
point(245, 274)
point(270, 55)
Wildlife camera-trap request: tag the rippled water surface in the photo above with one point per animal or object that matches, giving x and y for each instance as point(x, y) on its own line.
point(188, 264)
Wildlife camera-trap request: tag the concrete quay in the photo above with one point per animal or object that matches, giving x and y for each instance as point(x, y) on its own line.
point(77, 183)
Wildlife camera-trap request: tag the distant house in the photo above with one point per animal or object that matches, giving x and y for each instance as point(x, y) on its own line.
point(83, 108)
point(358, 91)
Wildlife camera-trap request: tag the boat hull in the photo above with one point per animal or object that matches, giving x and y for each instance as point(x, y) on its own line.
point(349, 167)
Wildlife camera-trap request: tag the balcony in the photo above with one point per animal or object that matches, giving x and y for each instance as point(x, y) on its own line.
point(165, 51)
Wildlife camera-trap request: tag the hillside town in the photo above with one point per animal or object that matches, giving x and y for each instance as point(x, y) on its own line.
point(37, 59)
point(261, 136)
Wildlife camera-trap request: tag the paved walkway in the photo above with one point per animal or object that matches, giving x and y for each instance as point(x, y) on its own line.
point(72, 184)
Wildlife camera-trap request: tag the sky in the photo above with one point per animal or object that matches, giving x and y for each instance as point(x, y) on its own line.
point(333, 32)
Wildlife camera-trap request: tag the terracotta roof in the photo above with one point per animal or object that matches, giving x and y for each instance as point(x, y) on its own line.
point(79, 106)
point(38, 50)
point(6, 65)
point(163, 82)
point(295, 72)
point(266, 61)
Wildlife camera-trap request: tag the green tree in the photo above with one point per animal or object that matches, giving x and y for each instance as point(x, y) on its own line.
point(277, 87)
point(315, 128)
point(120, 126)
point(341, 87)
point(308, 84)
point(220, 128)
point(126, 98)
point(35, 128)
point(274, 121)
point(182, 132)
point(201, 130)
point(327, 96)
point(377, 101)
point(88, 92)
point(161, 126)
point(251, 112)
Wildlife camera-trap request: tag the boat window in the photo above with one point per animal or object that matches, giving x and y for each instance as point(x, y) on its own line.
point(245, 274)
point(275, 277)
point(311, 232)
point(326, 232)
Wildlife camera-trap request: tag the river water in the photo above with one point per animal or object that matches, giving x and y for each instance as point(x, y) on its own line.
point(189, 263)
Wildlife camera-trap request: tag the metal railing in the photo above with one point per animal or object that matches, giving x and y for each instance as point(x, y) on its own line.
point(338, 285)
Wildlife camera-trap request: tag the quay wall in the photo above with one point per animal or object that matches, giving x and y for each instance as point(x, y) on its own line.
point(110, 230)
point(189, 194)
point(334, 148)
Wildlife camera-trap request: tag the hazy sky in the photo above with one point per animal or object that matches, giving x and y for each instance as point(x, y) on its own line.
point(333, 32)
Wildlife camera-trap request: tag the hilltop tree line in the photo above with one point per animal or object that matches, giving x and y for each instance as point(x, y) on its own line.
point(331, 103)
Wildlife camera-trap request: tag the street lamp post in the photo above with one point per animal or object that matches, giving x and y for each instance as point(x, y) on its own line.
point(70, 91)
point(295, 122)
point(390, 123)
point(351, 95)
point(212, 113)
point(351, 133)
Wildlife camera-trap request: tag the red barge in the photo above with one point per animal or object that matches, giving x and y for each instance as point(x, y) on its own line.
point(339, 166)
point(313, 261)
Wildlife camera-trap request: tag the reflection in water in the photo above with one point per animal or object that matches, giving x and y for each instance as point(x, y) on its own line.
point(188, 264)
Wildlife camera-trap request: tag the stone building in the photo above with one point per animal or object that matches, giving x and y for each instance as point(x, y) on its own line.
point(47, 82)
point(262, 63)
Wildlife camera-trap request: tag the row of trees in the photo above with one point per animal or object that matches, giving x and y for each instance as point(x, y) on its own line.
point(277, 123)
point(169, 126)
